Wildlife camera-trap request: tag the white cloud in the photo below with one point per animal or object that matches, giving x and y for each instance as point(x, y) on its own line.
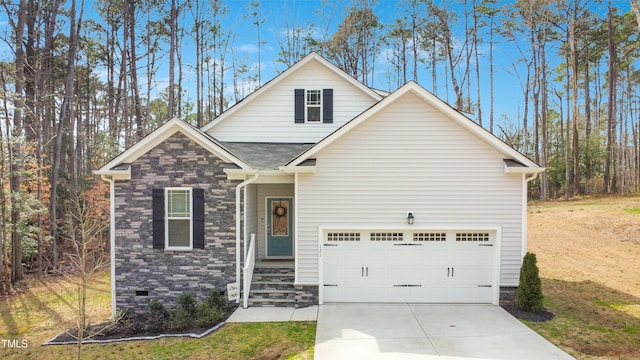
point(248, 48)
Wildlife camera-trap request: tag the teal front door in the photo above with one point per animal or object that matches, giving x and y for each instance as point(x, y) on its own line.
point(279, 227)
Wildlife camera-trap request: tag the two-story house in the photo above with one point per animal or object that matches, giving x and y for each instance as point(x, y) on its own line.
point(351, 195)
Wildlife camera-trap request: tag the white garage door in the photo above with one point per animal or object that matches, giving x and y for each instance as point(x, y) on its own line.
point(408, 266)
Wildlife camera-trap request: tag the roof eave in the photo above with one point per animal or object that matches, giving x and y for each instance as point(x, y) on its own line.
point(298, 169)
point(523, 170)
point(114, 174)
point(162, 133)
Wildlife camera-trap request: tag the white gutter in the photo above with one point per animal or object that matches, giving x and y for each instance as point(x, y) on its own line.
point(238, 222)
point(112, 240)
point(527, 180)
point(532, 177)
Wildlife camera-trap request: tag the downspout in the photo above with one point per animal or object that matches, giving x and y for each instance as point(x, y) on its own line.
point(527, 180)
point(112, 240)
point(238, 222)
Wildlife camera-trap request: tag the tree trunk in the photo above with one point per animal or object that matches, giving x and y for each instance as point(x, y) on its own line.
point(66, 116)
point(574, 86)
point(133, 65)
point(15, 165)
point(611, 92)
point(173, 33)
point(5, 283)
point(544, 182)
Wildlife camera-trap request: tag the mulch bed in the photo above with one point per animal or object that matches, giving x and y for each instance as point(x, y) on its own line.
point(540, 316)
point(108, 332)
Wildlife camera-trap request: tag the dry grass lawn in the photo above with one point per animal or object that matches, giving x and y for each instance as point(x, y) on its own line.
point(589, 258)
point(42, 310)
point(588, 253)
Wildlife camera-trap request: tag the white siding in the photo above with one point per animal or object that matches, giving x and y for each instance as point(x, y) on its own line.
point(409, 157)
point(264, 191)
point(270, 116)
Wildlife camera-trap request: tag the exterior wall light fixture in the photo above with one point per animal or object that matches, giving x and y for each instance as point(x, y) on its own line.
point(410, 217)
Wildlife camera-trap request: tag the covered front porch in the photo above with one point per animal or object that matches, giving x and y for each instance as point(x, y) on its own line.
point(268, 264)
point(266, 226)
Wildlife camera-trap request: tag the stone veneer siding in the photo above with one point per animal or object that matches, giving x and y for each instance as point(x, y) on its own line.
point(306, 295)
point(176, 162)
point(508, 295)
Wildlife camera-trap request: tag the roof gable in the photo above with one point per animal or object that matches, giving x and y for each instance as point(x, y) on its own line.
point(161, 134)
point(311, 58)
point(441, 106)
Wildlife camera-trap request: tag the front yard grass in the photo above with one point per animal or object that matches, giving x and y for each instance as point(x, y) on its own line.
point(588, 254)
point(589, 258)
point(592, 321)
point(41, 310)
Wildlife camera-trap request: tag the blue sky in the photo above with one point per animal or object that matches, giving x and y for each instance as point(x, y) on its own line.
point(508, 90)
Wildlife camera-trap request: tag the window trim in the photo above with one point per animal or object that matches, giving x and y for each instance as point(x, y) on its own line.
point(167, 218)
point(319, 106)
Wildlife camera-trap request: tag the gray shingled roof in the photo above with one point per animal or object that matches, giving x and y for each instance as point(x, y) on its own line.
point(265, 156)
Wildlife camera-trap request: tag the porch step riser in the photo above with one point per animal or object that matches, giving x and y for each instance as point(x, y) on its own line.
point(272, 278)
point(273, 286)
point(272, 297)
point(268, 303)
point(269, 270)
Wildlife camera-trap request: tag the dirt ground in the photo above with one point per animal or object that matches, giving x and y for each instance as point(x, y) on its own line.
point(596, 239)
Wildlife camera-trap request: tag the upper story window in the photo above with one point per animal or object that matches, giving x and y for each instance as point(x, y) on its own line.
point(313, 106)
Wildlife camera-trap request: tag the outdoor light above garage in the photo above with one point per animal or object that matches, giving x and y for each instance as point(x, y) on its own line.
point(410, 217)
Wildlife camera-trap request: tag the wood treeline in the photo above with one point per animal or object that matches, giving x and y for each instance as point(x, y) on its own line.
point(78, 90)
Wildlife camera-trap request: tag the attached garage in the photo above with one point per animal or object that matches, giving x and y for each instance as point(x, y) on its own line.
point(401, 265)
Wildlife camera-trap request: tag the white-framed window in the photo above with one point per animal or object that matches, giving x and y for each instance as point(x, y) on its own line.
point(314, 105)
point(178, 207)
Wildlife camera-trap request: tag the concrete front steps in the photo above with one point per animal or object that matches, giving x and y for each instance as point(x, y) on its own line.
point(272, 284)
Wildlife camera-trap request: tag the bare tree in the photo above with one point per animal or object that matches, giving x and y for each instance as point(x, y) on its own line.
point(257, 18)
point(354, 46)
point(173, 34)
point(87, 255)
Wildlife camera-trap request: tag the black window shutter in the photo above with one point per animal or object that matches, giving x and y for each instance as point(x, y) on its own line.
point(198, 218)
point(327, 106)
point(158, 218)
point(299, 111)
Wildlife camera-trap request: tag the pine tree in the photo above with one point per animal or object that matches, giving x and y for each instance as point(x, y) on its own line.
point(529, 297)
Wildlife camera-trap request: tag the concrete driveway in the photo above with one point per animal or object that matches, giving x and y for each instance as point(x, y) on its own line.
point(426, 331)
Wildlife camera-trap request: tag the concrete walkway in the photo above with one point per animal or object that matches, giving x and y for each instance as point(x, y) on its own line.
point(272, 314)
point(426, 331)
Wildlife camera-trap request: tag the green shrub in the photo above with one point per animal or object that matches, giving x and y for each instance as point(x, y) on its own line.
point(132, 324)
point(216, 299)
point(157, 317)
point(181, 320)
point(187, 302)
point(529, 297)
point(156, 306)
point(207, 315)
